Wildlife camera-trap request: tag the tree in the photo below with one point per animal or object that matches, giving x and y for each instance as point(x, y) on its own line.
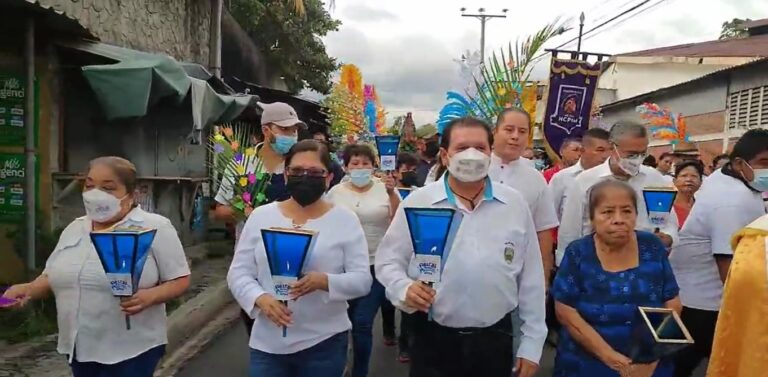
point(734, 29)
point(291, 40)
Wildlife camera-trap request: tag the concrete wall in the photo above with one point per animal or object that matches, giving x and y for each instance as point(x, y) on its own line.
point(629, 80)
point(179, 28)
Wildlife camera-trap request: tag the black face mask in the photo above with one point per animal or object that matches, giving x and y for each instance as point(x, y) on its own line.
point(304, 189)
point(409, 178)
point(431, 149)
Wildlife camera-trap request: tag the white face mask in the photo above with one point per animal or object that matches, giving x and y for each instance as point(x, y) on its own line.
point(469, 165)
point(100, 206)
point(631, 165)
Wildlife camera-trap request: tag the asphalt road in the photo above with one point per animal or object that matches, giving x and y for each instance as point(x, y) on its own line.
point(227, 356)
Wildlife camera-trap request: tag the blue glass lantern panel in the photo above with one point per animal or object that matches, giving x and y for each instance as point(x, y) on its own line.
point(659, 203)
point(287, 250)
point(123, 254)
point(432, 232)
point(388, 146)
point(404, 192)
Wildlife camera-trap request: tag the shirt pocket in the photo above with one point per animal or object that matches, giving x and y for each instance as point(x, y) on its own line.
point(66, 261)
point(507, 250)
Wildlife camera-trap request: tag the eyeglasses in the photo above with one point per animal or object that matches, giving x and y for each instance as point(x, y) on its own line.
point(312, 172)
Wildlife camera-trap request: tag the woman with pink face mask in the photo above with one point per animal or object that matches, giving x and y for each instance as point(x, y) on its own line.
point(91, 322)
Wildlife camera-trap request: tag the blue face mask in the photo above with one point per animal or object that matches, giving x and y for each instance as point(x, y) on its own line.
point(360, 177)
point(283, 143)
point(760, 180)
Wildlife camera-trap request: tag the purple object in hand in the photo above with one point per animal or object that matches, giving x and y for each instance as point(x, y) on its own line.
point(6, 302)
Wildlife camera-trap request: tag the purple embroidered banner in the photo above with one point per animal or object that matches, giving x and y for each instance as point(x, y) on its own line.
point(572, 86)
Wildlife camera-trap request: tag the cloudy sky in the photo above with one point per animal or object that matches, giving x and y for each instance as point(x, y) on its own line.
point(407, 47)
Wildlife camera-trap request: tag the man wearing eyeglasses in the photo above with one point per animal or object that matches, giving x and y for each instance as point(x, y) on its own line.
point(630, 147)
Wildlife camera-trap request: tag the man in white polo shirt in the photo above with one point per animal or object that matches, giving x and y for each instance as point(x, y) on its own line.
point(595, 150)
point(494, 267)
point(630, 147)
point(510, 138)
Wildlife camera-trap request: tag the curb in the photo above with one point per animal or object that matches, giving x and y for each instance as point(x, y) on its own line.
point(194, 314)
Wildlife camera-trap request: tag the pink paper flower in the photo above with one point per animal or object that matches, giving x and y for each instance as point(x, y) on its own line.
point(247, 197)
point(251, 178)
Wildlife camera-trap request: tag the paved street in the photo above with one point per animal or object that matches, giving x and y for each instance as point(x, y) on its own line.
point(228, 357)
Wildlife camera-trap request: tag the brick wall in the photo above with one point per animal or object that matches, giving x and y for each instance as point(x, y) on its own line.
point(179, 28)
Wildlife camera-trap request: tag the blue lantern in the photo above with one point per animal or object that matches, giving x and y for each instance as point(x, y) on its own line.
point(388, 146)
point(404, 192)
point(657, 333)
point(122, 252)
point(288, 251)
point(432, 233)
point(658, 203)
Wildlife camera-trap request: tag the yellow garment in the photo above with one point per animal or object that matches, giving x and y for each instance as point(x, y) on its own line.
point(741, 337)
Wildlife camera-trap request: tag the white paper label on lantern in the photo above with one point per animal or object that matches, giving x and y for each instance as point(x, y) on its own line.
point(388, 163)
point(121, 284)
point(657, 218)
point(429, 267)
point(283, 287)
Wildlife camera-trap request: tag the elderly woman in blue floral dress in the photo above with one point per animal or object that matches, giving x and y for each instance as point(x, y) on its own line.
point(602, 281)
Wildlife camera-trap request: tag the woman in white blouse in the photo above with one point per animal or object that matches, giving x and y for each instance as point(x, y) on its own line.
point(337, 271)
point(92, 331)
point(374, 202)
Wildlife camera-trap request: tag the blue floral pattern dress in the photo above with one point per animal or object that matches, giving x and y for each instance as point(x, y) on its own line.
point(608, 301)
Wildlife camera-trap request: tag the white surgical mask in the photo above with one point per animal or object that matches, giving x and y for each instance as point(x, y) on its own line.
point(760, 180)
point(100, 206)
point(469, 165)
point(631, 165)
point(360, 177)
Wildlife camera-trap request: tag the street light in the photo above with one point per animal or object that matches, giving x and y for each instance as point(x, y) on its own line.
point(483, 19)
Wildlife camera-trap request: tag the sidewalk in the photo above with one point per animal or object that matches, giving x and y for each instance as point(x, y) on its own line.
point(206, 298)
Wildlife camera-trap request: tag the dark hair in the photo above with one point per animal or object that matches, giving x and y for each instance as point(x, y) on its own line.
point(752, 143)
point(512, 110)
point(597, 194)
point(650, 161)
point(595, 133)
point(358, 150)
point(719, 158)
point(309, 145)
point(466, 122)
point(665, 155)
point(690, 164)
point(567, 142)
point(123, 169)
point(405, 158)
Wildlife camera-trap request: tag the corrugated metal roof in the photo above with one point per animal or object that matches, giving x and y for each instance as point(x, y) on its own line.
point(671, 87)
point(52, 18)
point(756, 46)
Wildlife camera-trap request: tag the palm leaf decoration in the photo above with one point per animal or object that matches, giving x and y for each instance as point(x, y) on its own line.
point(505, 77)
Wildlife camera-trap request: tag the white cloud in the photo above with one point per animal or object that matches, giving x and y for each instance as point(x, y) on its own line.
point(406, 47)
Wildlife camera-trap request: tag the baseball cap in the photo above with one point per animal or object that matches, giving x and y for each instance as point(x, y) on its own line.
point(281, 114)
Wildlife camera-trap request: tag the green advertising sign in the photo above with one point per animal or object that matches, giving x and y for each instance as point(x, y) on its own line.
point(12, 191)
point(12, 94)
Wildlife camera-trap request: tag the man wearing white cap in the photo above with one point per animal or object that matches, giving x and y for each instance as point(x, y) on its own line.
point(280, 125)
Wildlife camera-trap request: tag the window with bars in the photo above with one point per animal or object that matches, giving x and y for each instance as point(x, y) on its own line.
point(748, 108)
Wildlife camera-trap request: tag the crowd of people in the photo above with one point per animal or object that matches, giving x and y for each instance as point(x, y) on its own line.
point(565, 253)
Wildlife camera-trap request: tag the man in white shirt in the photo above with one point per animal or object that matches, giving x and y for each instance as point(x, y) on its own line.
point(595, 150)
point(510, 139)
point(493, 268)
point(630, 147)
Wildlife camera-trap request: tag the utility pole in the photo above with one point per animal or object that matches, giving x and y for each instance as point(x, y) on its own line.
point(581, 31)
point(483, 17)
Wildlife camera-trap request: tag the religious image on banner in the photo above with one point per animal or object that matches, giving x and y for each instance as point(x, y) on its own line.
point(572, 85)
